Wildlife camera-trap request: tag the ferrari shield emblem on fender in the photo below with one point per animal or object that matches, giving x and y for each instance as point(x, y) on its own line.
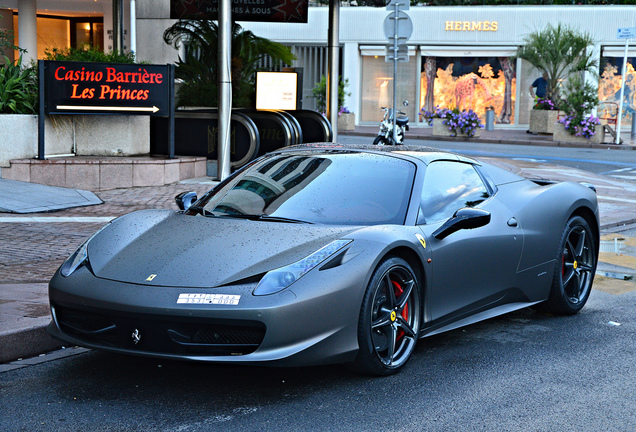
point(151, 277)
point(420, 237)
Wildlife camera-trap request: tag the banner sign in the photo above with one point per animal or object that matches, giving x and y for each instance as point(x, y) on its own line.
point(106, 88)
point(288, 11)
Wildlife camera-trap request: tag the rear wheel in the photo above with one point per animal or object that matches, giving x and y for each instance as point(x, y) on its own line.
point(389, 319)
point(574, 270)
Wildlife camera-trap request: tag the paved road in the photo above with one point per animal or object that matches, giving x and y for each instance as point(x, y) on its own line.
point(616, 163)
point(521, 372)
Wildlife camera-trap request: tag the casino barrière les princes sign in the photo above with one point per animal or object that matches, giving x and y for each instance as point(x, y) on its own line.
point(106, 88)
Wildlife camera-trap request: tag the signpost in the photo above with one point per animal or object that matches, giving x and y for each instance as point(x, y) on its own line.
point(398, 28)
point(626, 33)
point(105, 88)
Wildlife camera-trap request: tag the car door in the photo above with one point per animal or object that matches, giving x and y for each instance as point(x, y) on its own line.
point(472, 269)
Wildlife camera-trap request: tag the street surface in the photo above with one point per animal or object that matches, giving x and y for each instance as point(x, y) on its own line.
point(525, 371)
point(521, 372)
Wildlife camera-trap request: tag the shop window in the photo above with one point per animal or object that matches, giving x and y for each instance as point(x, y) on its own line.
point(609, 88)
point(377, 87)
point(470, 83)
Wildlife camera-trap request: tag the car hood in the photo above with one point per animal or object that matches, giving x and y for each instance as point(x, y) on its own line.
point(164, 248)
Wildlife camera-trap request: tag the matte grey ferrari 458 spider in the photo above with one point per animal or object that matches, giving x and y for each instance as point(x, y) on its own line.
point(329, 254)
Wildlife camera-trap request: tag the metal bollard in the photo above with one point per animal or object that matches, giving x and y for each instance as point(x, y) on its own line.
point(633, 134)
point(490, 119)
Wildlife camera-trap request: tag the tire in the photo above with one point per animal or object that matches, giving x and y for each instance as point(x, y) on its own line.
point(389, 319)
point(574, 269)
point(379, 140)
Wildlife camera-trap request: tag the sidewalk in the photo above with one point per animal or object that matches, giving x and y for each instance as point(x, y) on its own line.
point(500, 135)
point(34, 245)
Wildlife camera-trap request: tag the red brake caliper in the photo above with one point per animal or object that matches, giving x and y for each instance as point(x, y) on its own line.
point(405, 312)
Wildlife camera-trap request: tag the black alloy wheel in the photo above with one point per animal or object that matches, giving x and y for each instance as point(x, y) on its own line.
point(389, 319)
point(574, 270)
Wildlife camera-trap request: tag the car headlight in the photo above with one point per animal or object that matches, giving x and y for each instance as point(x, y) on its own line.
point(279, 279)
point(79, 257)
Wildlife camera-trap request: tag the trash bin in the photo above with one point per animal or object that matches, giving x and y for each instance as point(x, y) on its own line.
point(490, 118)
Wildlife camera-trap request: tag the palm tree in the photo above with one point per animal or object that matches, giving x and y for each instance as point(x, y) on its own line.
point(558, 51)
point(199, 68)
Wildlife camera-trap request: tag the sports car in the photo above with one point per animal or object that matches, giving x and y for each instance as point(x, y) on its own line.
point(321, 254)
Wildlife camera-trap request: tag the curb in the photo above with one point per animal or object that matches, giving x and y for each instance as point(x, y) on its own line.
point(27, 342)
point(512, 141)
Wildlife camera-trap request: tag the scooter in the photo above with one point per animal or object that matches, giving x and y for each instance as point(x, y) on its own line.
point(385, 135)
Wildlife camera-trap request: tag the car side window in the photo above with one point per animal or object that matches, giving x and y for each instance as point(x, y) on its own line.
point(449, 186)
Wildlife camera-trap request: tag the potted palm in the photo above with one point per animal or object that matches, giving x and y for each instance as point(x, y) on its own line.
point(556, 51)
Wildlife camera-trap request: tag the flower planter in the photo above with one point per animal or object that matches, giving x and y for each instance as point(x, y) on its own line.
point(562, 135)
point(543, 121)
point(346, 122)
point(440, 129)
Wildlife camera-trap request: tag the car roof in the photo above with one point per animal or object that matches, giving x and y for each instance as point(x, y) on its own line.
point(422, 153)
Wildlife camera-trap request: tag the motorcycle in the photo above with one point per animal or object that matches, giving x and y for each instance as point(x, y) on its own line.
point(385, 135)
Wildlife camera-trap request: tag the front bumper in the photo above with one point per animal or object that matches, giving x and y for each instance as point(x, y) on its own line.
point(312, 322)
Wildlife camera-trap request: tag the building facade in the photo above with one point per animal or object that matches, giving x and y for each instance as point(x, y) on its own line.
point(458, 56)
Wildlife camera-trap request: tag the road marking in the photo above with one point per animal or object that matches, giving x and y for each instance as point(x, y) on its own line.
point(606, 198)
point(55, 219)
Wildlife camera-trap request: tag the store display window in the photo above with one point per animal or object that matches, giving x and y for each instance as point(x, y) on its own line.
point(475, 83)
point(609, 88)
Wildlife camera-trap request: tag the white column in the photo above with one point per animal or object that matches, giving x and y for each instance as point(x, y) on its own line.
point(28, 30)
point(351, 71)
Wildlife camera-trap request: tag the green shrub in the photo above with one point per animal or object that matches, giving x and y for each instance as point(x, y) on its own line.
point(319, 92)
point(91, 55)
point(18, 88)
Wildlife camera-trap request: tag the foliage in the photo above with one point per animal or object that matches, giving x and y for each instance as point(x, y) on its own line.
point(465, 122)
point(543, 104)
point(580, 100)
point(319, 92)
point(90, 55)
point(199, 68)
point(18, 88)
point(558, 51)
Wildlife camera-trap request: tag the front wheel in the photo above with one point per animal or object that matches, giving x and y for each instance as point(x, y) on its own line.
point(379, 140)
point(389, 319)
point(575, 268)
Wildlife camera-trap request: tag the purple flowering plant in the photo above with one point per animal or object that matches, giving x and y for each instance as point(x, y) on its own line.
point(544, 104)
point(577, 126)
point(580, 99)
point(344, 110)
point(465, 122)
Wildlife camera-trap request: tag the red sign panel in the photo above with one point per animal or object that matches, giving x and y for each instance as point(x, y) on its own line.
point(289, 11)
point(106, 88)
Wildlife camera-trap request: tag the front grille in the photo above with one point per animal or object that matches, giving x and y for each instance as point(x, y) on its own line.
point(160, 334)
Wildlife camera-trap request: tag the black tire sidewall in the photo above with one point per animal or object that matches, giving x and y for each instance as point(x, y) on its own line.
point(367, 360)
point(558, 301)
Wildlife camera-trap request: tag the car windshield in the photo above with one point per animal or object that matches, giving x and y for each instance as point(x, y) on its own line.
point(343, 188)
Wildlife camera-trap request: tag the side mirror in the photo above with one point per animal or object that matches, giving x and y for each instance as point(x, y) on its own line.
point(465, 218)
point(185, 199)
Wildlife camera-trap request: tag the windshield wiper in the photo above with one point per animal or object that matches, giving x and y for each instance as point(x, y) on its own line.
point(269, 218)
point(262, 217)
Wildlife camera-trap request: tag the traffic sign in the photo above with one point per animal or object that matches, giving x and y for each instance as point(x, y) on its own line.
point(403, 30)
point(398, 5)
point(626, 33)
